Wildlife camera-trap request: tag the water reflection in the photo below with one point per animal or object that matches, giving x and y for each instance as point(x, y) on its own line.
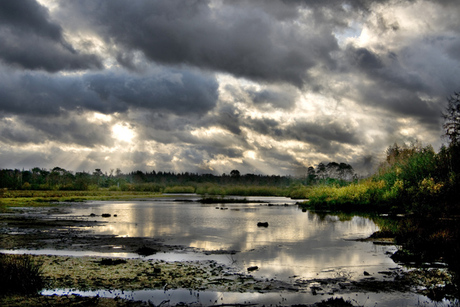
point(213, 298)
point(295, 242)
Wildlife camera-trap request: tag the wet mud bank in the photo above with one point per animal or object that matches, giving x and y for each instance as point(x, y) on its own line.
point(52, 229)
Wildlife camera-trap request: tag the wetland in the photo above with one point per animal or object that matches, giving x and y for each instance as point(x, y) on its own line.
point(176, 250)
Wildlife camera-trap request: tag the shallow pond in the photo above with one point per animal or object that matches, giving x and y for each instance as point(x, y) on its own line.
point(295, 243)
point(295, 246)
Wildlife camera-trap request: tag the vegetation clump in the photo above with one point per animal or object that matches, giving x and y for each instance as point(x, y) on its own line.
point(413, 179)
point(20, 274)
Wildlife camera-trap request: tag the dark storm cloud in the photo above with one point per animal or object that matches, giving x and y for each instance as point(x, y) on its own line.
point(41, 94)
point(68, 129)
point(29, 16)
point(185, 94)
point(13, 133)
point(71, 130)
point(29, 39)
point(228, 117)
point(265, 126)
point(363, 58)
point(242, 40)
point(402, 102)
point(319, 134)
point(391, 87)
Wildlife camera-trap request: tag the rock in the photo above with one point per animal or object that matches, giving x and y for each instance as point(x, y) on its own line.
point(262, 224)
point(106, 215)
point(92, 214)
point(253, 268)
point(146, 251)
point(366, 273)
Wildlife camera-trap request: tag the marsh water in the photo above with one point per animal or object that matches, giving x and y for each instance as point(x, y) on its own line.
point(296, 245)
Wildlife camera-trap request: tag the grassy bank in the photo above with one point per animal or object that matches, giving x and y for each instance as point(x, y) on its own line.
point(29, 198)
point(34, 198)
point(412, 180)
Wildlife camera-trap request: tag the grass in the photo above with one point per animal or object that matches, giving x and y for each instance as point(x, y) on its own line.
point(20, 274)
point(32, 198)
point(241, 190)
point(364, 196)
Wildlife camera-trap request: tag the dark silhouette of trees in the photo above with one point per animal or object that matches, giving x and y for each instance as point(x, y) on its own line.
point(61, 179)
point(235, 173)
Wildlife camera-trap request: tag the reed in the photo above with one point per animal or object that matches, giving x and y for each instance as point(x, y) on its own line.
point(20, 274)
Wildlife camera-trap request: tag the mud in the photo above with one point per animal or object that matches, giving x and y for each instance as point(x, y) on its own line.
point(43, 230)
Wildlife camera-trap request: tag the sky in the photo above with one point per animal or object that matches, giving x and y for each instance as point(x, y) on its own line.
point(263, 87)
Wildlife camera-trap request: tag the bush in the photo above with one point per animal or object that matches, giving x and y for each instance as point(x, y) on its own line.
point(366, 195)
point(20, 274)
point(298, 191)
point(26, 186)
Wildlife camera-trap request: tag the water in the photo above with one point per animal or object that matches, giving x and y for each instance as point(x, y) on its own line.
point(295, 243)
point(210, 298)
point(295, 246)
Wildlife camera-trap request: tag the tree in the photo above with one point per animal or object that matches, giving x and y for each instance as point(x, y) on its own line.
point(235, 173)
point(311, 175)
point(451, 117)
point(345, 171)
point(321, 171)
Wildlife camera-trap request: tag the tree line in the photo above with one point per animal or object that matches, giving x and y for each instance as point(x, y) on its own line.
point(61, 179)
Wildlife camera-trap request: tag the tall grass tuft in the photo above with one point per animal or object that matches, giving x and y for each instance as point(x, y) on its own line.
point(20, 274)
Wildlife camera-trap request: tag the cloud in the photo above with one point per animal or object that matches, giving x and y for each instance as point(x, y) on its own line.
point(275, 98)
point(179, 92)
point(240, 39)
point(29, 16)
point(210, 86)
point(42, 94)
point(70, 129)
point(322, 136)
point(30, 40)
